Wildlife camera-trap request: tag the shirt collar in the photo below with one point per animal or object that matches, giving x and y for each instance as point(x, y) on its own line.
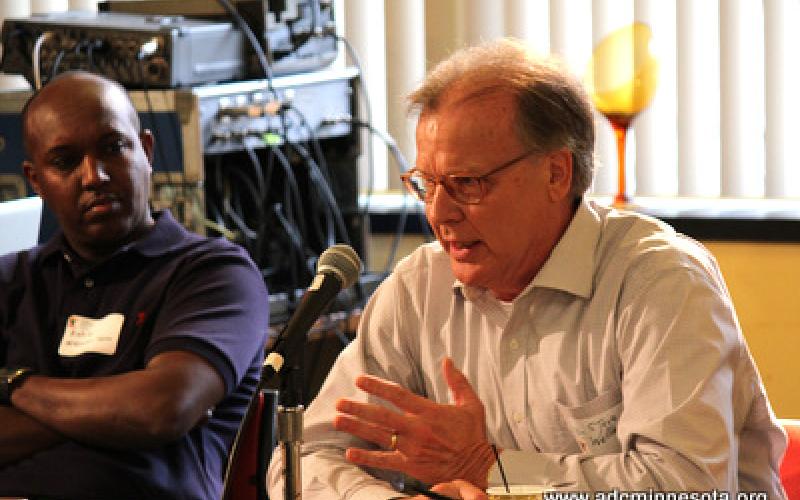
point(570, 266)
point(166, 236)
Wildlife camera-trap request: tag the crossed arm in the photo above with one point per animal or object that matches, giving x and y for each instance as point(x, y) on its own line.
point(140, 409)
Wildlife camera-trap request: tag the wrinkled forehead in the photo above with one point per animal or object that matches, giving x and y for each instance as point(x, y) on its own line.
point(486, 115)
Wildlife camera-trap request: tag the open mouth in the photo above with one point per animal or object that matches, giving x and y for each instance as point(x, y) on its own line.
point(463, 250)
point(462, 245)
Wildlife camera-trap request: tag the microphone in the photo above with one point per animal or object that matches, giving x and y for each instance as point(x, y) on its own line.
point(337, 268)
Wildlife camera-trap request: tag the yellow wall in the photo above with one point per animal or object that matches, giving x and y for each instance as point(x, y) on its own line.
point(764, 281)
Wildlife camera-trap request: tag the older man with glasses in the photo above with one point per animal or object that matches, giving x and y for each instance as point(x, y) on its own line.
point(579, 346)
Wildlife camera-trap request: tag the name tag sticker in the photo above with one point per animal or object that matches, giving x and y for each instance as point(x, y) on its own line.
point(84, 335)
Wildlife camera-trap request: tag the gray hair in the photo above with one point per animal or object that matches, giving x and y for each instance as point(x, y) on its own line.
point(553, 107)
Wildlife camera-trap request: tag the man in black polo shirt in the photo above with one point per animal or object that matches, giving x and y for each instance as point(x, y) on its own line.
point(129, 347)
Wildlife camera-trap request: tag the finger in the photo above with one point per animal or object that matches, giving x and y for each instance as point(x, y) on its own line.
point(399, 396)
point(367, 431)
point(464, 490)
point(418, 466)
point(460, 388)
point(375, 414)
point(382, 459)
point(449, 489)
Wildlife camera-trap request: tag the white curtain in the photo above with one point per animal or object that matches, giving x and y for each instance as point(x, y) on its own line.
point(723, 115)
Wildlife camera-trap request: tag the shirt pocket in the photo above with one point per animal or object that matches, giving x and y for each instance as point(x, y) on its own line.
point(594, 424)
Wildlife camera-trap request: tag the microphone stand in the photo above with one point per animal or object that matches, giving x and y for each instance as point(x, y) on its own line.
point(290, 429)
point(338, 267)
point(290, 435)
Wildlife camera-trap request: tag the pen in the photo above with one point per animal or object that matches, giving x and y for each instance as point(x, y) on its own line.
point(412, 486)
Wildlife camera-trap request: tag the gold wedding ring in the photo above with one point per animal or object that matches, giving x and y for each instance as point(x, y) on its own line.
point(393, 442)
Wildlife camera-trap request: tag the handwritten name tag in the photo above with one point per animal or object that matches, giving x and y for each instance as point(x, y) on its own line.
point(598, 433)
point(84, 335)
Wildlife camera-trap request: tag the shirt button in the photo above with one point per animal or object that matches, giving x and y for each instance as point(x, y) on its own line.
point(513, 344)
point(88, 282)
point(67, 257)
point(517, 417)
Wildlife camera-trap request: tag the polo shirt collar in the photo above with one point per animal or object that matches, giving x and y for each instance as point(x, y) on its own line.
point(167, 235)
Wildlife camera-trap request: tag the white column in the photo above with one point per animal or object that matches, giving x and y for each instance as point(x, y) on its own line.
point(14, 8)
point(654, 129)
point(483, 20)
point(48, 6)
point(559, 27)
point(571, 40)
point(782, 80)
point(529, 20)
point(698, 104)
point(405, 69)
point(364, 28)
point(741, 117)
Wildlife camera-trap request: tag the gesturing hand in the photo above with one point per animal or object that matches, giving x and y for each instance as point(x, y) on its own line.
point(435, 443)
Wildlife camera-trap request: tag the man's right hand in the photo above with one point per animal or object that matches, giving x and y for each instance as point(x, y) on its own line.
point(432, 442)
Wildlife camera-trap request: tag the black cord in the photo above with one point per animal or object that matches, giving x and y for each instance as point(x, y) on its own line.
point(260, 197)
point(313, 139)
point(325, 190)
point(254, 43)
point(404, 212)
point(57, 63)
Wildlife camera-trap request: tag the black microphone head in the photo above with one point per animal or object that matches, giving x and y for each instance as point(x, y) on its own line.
point(341, 260)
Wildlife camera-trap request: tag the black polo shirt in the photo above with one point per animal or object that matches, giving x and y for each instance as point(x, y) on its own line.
point(172, 290)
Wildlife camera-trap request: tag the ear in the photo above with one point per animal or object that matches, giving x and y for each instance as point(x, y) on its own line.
point(559, 165)
point(147, 140)
point(32, 176)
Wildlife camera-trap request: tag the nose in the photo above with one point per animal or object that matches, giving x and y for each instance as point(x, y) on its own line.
point(93, 172)
point(442, 208)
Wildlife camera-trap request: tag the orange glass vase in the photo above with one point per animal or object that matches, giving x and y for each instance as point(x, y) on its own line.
point(622, 78)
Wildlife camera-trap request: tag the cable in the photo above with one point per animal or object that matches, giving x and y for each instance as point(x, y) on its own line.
point(313, 139)
point(254, 43)
point(404, 167)
point(260, 224)
point(325, 190)
point(37, 47)
point(57, 63)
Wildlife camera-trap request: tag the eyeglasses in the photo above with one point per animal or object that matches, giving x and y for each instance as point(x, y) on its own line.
point(465, 189)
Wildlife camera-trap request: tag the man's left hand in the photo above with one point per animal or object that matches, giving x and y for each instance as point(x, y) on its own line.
point(435, 443)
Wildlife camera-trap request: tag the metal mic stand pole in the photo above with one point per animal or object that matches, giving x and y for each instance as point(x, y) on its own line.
point(290, 434)
point(290, 429)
